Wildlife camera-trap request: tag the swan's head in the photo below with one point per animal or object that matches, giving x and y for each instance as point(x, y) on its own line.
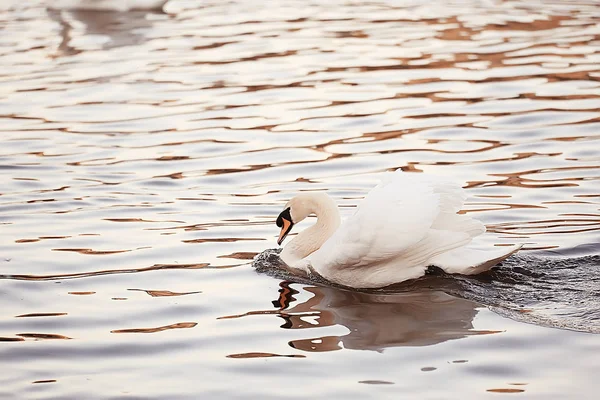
point(298, 208)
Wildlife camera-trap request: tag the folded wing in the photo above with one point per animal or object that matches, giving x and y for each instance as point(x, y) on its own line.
point(403, 223)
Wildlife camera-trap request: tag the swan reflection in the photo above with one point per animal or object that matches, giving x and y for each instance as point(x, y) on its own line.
point(82, 29)
point(375, 321)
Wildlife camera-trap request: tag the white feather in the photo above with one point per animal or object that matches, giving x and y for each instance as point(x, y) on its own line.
point(406, 223)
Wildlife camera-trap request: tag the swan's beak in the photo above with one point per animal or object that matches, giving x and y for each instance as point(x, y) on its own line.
point(284, 221)
point(287, 227)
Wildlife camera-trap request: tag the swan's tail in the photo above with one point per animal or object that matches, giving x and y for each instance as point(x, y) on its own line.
point(469, 261)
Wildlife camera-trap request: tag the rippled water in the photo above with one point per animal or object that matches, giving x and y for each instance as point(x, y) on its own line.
point(145, 155)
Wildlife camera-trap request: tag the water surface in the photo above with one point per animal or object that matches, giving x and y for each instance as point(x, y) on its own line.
point(144, 157)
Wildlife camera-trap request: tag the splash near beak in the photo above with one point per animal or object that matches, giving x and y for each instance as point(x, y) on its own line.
point(284, 221)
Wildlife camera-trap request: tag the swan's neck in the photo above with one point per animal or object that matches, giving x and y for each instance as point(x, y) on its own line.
point(312, 238)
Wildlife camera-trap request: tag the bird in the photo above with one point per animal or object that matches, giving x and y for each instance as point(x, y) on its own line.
point(405, 224)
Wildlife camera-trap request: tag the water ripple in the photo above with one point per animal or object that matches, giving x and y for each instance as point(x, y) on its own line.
point(146, 153)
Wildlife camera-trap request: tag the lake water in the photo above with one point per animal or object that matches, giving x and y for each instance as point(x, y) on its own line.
point(144, 157)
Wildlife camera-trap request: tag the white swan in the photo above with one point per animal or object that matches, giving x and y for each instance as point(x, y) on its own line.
point(406, 223)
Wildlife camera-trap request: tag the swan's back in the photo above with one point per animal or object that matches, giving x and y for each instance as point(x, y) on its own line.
point(407, 222)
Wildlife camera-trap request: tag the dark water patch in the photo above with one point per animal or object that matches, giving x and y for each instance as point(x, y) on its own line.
point(40, 315)
point(163, 293)
point(240, 255)
point(37, 336)
point(264, 355)
point(220, 240)
point(180, 325)
point(506, 390)
point(557, 292)
point(93, 252)
point(11, 339)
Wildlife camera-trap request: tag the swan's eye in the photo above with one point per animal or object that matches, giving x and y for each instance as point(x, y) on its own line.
point(284, 214)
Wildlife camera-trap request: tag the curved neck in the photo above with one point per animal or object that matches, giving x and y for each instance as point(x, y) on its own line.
point(312, 238)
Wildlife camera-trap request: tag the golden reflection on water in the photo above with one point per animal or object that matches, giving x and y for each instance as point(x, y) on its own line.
point(163, 293)
point(264, 355)
point(154, 150)
point(38, 336)
point(40, 315)
point(180, 325)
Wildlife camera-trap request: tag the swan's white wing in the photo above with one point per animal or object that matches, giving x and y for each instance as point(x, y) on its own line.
point(399, 228)
point(470, 261)
point(393, 218)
